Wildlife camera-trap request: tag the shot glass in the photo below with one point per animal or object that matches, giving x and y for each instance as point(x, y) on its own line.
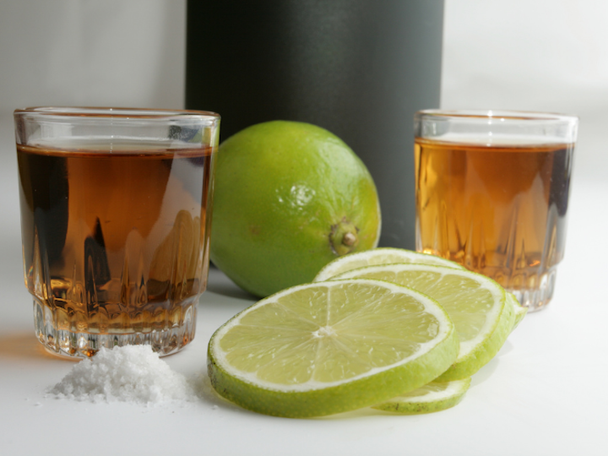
point(492, 194)
point(115, 218)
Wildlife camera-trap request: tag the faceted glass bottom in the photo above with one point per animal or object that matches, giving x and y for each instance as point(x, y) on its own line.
point(70, 344)
point(537, 298)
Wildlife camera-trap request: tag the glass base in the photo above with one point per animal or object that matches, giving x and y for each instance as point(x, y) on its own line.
point(74, 345)
point(537, 298)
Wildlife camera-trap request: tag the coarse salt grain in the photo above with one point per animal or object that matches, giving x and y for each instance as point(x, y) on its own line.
point(133, 373)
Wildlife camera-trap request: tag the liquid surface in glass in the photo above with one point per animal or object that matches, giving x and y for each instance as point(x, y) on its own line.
point(115, 240)
point(498, 209)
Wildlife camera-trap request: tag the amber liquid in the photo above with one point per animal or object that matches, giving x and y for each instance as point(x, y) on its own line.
point(499, 210)
point(115, 242)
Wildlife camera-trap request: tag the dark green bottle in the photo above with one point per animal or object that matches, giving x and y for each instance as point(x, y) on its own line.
point(359, 68)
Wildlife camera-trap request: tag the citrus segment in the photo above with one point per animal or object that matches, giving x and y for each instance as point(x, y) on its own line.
point(433, 397)
point(330, 347)
point(378, 256)
point(475, 303)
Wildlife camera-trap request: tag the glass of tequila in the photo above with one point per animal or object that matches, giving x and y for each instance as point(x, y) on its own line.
point(115, 218)
point(492, 194)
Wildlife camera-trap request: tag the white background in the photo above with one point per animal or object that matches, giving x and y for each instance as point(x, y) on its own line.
point(543, 394)
point(545, 55)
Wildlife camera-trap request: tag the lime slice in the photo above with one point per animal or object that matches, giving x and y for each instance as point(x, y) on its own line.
point(475, 303)
point(323, 348)
point(519, 311)
point(433, 397)
point(379, 256)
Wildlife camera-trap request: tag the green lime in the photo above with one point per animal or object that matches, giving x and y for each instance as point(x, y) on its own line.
point(475, 303)
point(433, 397)
point(289, 198)
point(385, 255)
point(329, 347)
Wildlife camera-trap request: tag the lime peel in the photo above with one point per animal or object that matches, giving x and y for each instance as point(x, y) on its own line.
point(483, 342)
point(289, 198)
point(316, 398)
point(434, 397)
point(379, 256)
point(519, 311)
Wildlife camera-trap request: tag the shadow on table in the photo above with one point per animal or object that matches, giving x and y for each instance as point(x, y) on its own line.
point(22, 345)
point(201, 384)
point(486, 371)
point(220, 284)
point(229, 290)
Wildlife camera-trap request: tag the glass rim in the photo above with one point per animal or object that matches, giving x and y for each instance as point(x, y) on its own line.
point(92, 112)
point(497, 114)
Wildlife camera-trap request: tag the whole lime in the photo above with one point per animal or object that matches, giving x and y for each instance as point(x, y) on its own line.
point(289, 198)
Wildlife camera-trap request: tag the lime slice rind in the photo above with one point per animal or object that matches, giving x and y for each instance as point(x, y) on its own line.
point(519, 311)
point(379, 256)
point(433, 397)
point(482, 354)
point(220, 357)
point(315, 398)
point(479, 341)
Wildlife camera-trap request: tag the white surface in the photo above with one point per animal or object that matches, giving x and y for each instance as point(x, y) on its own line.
point(542, 395)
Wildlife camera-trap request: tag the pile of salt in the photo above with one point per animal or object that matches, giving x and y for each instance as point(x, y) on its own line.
point(133, 373)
